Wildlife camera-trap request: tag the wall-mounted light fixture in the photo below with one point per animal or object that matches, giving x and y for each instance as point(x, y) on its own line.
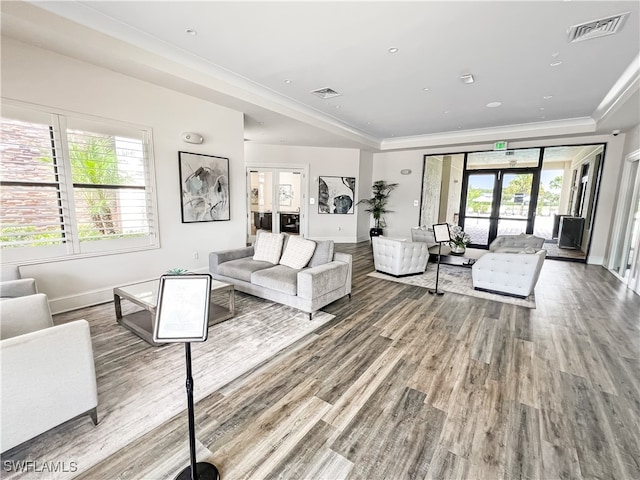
point(405, 171)
point(190, 137)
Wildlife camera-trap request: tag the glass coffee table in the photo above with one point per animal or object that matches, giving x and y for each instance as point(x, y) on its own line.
point(145, 295)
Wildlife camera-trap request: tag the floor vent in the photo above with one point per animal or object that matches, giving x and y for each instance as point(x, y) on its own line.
point(597, 28)
point(326, 93)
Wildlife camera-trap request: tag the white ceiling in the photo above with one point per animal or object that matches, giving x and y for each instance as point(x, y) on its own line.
point(244, 52)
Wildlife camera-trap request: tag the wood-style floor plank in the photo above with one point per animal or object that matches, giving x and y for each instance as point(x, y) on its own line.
point(405, 385)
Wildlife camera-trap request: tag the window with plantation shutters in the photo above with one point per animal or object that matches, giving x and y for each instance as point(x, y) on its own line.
point(73, 186)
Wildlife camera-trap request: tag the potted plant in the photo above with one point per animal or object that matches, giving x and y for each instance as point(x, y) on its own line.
point(459, 240)
point(377, 205)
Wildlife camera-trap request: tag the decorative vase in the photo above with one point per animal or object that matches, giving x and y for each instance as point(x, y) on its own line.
point(457, 249)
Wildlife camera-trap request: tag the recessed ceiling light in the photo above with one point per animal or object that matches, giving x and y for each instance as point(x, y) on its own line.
point(287, 81)
point(426, 89)
point(555, 54)
point(393, 50)
point(541, 109)
point(543, 117)
point(468, 78)
point(547, 97)
point(493, 104)
point(556, 63)
point(337, 106)
point(191, 31)
point(446, 112)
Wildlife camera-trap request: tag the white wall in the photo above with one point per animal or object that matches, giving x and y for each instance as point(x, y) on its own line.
point(364, 182)
point(632, 140)
point(387, 166)
point(337, 162)
point(42, 77)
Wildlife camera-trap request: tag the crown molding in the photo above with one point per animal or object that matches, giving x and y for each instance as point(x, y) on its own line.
point(512, 132)
point(625, 86)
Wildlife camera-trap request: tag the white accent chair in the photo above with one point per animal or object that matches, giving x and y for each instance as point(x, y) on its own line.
point(423, 234)
point(515, 243)
point(48, 373)
point(513, 274)
point(399, 257)
point(12, 284)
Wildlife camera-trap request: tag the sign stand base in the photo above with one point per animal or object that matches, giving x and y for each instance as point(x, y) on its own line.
point(205, 471)
point(199, 470)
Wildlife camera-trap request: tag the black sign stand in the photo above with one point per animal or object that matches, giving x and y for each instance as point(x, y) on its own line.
point(177, 324)
point(441, 234)
point(197, 470)
point(435, 291)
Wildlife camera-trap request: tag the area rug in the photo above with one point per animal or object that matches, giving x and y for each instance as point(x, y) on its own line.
point(140, 386)
point(455, 280)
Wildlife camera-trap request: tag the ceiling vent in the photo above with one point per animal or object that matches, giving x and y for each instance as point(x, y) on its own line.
point(326, 93)
point(597, 28)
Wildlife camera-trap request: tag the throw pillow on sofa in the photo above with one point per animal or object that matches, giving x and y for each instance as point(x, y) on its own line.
point(323, 253)
point(298, 252)
point(269, 247)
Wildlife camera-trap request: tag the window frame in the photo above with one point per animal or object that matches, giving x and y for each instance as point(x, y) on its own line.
point(72, 247)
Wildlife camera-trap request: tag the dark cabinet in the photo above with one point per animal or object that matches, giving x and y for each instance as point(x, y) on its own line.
point(570, 234)
point(290, 222)
point(262, 220)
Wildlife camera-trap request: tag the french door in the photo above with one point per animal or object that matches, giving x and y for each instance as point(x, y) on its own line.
point(624, 259)
point(275, 199)
point(498, 202)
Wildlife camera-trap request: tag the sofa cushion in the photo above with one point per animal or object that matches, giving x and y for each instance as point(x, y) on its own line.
point(280, 278)
point(322, 254)
point(297, 252)
point(241, 268)
point(268, 248)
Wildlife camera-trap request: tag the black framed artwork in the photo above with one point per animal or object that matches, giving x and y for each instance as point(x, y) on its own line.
point(336, 195)
point(204, 187)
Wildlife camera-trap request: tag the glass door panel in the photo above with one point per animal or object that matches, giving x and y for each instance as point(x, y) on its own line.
point(261, 202)
point(479, 207)
point(289, 201)
point(515, 200)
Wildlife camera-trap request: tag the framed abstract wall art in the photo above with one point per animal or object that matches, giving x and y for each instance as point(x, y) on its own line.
point(336, 195)
point(204, 187)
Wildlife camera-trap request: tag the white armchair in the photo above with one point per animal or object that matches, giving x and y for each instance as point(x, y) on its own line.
point(12, 285)
point(516, 243)
point(508, 273)
point(48, 373)
point(399, 257)
point(423, 234)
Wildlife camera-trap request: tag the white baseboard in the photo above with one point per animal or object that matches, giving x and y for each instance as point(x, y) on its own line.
point(92, 297)
point(81, 300)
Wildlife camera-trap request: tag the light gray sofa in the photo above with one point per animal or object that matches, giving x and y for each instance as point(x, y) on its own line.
point(48, 373)
point(326, 278)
